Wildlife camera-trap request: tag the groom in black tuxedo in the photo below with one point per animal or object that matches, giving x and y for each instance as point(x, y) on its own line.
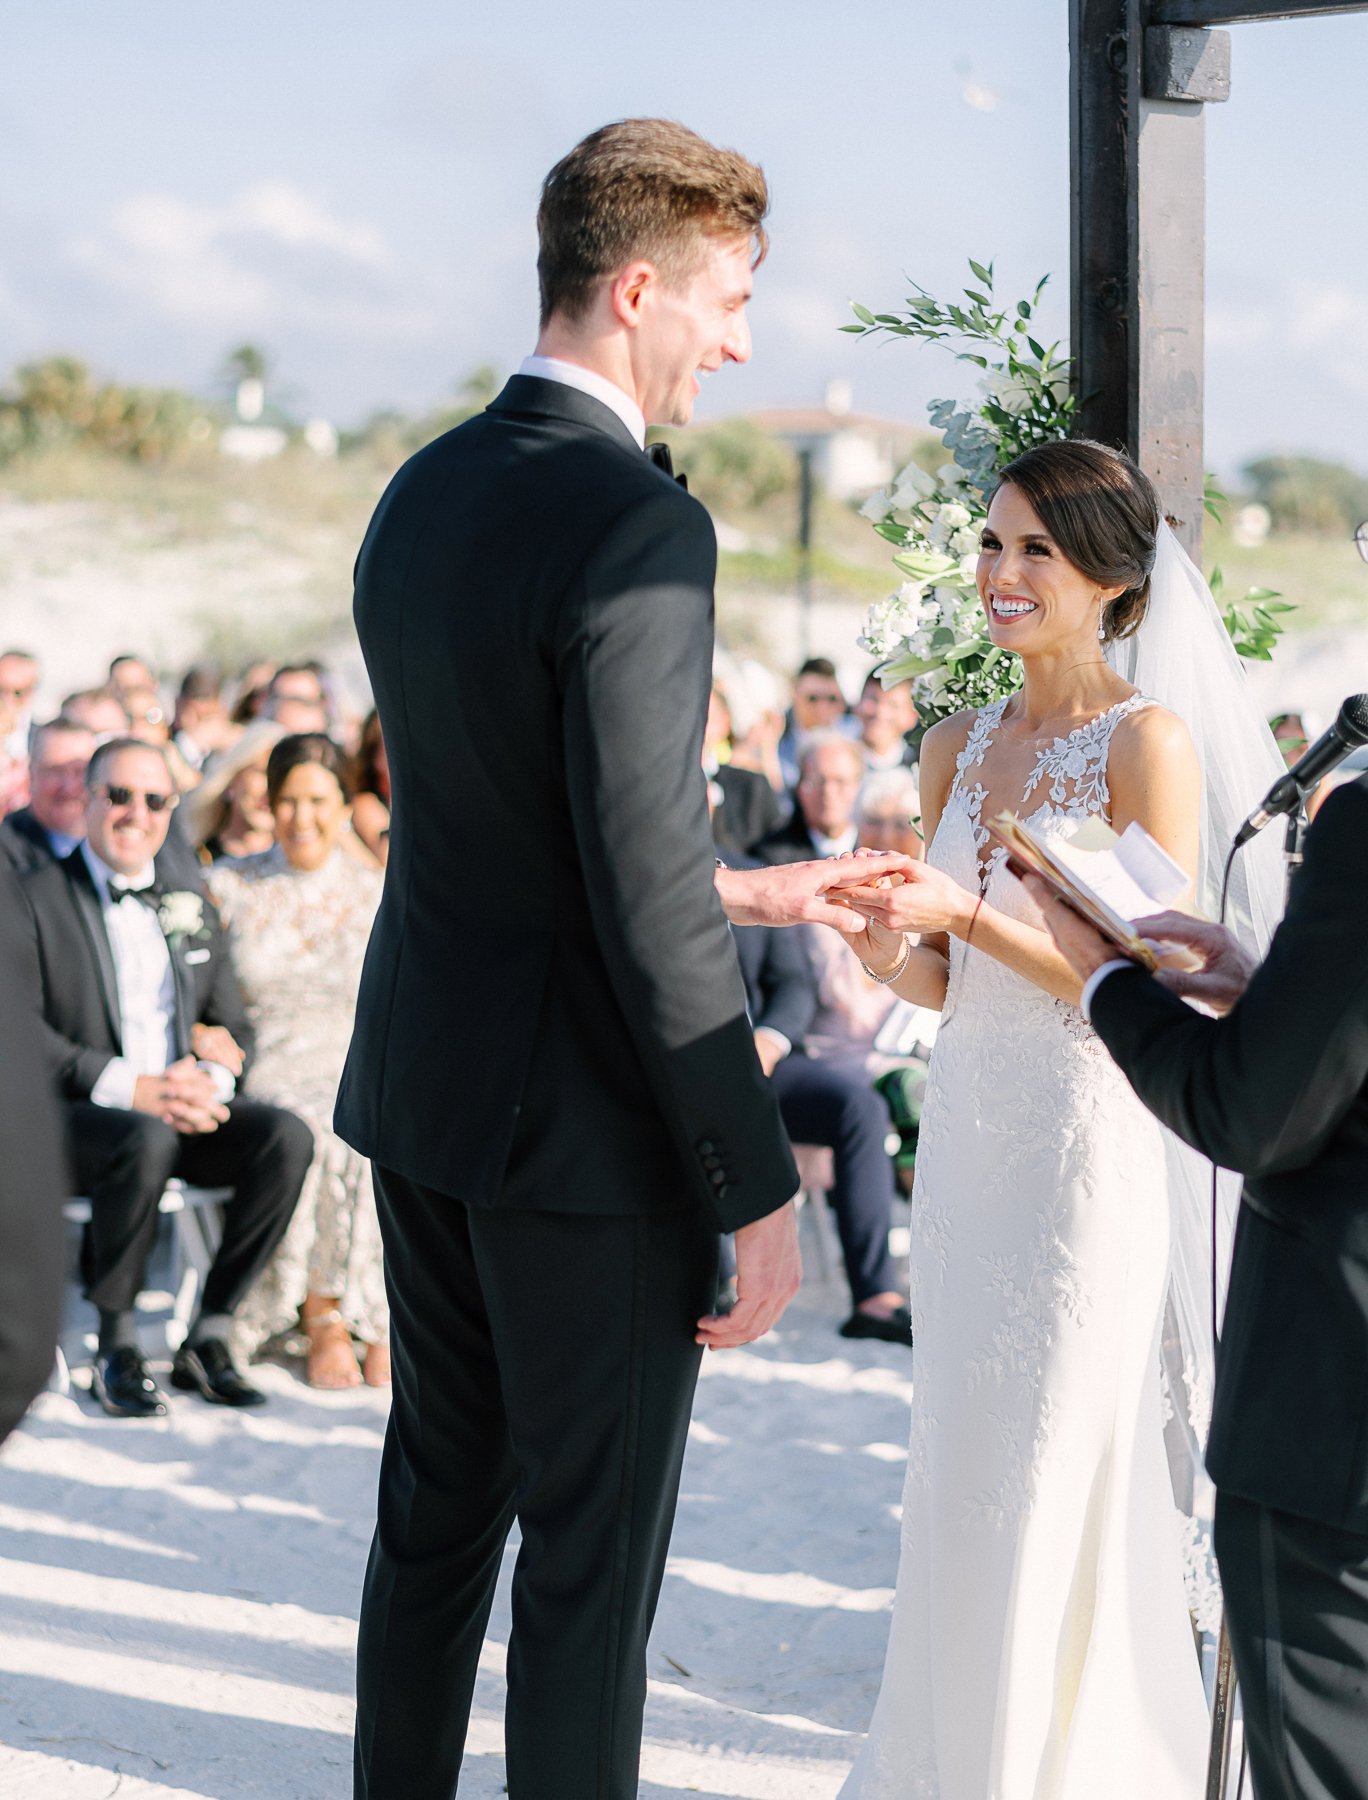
point(552, 1068)
point(1278, 1090)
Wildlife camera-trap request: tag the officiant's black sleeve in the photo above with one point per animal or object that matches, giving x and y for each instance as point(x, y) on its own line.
point(634, 666)
point(32, 1175)
point(1266, 1089)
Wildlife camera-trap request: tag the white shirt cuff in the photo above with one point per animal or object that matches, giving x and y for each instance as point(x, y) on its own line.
point(1095, 980)
point(775, 1037)
point(115, 1084)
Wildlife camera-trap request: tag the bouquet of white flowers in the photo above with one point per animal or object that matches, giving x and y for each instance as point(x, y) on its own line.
point(933, 628)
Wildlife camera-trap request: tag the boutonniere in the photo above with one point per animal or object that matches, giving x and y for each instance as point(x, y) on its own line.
point(181, 914)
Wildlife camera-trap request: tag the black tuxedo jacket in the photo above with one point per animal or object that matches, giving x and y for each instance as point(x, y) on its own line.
point(24, 844)
point(77, 985)
point(551, 1014)
point(1279, 1091)
point(33, 1177)
point(750, 809)
point(781, 985)
point(791, 843)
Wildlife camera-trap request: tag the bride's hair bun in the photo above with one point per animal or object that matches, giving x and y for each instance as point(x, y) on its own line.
point(1103, 513)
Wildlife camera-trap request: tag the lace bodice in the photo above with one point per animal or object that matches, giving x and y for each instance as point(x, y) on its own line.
point(1068, 784)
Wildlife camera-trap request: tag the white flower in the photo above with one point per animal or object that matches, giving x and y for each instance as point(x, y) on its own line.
point(951, 475)
point(877, 507)
point(953, 516)
point(912, 484)
point(965, 542)
point(180, 914)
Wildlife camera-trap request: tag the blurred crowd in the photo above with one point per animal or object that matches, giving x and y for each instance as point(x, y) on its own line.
point(199, 869)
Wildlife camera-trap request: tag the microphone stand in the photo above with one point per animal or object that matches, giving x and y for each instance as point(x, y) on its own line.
point(1223, 1693)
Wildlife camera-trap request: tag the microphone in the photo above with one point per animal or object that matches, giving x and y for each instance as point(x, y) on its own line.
point(1348, 733)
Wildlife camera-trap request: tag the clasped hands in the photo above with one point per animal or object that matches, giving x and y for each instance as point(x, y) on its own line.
point(185, 1096)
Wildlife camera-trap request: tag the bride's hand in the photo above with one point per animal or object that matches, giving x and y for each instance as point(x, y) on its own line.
point(925, 899)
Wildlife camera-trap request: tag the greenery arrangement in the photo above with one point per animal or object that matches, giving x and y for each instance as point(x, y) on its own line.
point(932, 627)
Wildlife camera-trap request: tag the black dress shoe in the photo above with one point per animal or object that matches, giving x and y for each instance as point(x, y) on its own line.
point(120, 1382)
point(208, 1368)
point(893, 1328)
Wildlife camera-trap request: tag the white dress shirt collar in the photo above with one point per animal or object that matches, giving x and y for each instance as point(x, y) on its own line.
point(101, 873)
point(837, 846)
point(588, 381)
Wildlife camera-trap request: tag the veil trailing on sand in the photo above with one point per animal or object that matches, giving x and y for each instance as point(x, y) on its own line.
point(1182, 657)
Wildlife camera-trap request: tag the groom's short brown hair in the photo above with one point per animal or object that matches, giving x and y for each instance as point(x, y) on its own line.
point(641, 188)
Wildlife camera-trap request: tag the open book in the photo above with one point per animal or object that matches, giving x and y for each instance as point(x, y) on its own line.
point(1109, 880)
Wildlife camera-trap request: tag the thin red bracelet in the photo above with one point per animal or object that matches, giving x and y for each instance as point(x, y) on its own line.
point(973, 920)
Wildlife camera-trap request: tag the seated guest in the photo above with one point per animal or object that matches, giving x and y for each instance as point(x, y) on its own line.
point(828, 1101)
point(818, 705)
point(823, 822)
point(889, 813)
point(745, 807)
point(371, 790)
point(201, 726)
point(298, 921)
point(100, 710)
point(146, 1033)
point(228, 813)
point(253, 686)
point(130, 672)
point(18, 687)
point(887, 718)
point(296, 700)
point(758, 724)
point(149, 723)
point(53, 823)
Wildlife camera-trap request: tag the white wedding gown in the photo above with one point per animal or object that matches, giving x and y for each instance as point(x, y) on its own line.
point(1040, 1646)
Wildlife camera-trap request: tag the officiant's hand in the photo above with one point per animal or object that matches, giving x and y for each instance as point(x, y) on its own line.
point(806, 893)
point(1225, 965)
point(769, 1272)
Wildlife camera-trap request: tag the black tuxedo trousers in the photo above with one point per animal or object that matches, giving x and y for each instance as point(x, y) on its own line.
point(543, 1366)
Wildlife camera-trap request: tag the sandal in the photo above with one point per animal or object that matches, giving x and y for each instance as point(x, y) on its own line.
point(332, 1361)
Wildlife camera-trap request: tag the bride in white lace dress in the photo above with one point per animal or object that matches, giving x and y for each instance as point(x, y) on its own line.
point(1040, 1646)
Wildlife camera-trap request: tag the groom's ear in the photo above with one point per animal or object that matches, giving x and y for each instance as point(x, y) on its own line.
point(628, 290)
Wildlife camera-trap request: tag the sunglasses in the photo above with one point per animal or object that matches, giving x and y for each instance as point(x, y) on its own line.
point(117, 795)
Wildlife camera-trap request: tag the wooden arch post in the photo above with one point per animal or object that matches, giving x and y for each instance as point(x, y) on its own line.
point(1143, 70)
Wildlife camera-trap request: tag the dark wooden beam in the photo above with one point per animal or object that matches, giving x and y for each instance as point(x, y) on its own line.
point(1242, 12)
point(1138, 176)
point(1104, 97)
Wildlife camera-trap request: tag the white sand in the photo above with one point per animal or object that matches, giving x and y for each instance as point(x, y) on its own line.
point(178, 1598)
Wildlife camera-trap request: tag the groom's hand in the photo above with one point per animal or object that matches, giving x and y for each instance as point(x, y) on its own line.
point(806, 893)
point(769, 1272)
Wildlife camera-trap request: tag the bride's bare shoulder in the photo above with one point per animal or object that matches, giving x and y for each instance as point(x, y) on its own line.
point(1152, 745)
point(944, 741)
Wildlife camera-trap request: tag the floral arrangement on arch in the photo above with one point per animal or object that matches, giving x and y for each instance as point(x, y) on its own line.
point(932, 627)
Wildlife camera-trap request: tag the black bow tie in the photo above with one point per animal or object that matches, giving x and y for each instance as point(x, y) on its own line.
point(124, 890)
point(659, 454)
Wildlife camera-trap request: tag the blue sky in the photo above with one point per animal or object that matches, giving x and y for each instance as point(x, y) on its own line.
point(353, 185)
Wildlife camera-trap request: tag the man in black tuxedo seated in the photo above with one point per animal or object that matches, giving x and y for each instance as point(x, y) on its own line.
point(823, 823)
point(1278, 1090)
point(831, 1103)
point(53, 822)
point(145, 1027)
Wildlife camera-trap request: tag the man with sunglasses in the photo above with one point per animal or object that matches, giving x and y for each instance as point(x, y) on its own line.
point(147, 1036)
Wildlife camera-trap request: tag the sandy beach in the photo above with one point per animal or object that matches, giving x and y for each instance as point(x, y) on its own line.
point(178, 1597)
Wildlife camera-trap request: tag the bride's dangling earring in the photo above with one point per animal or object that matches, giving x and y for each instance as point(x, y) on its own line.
point(1101, 620)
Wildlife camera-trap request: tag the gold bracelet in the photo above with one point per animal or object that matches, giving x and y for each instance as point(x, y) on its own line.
point(893, 973)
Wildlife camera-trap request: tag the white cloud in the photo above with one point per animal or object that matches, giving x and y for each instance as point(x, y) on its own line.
point(272, 255)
